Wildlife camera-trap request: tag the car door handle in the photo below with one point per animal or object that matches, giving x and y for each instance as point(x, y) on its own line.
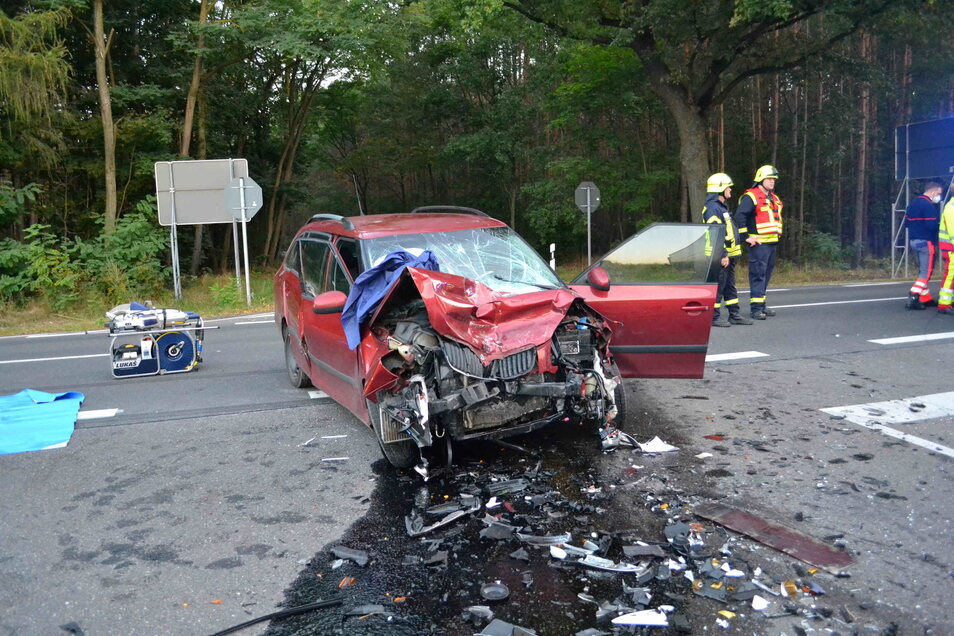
point(694, 307)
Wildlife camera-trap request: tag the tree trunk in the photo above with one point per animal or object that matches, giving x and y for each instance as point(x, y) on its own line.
point(862, 182)
point(106, 114)
point(693, 145)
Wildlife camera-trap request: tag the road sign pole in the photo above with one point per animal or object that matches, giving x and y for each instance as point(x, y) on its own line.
point(589, 216)
point(174, 240)
point(248, 287)
point(235, 236)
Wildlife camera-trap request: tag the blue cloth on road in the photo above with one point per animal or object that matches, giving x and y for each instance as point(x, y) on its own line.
point(33, 420)
point(373, 284)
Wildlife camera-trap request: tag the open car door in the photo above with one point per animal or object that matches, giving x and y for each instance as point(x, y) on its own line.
point(661, 287)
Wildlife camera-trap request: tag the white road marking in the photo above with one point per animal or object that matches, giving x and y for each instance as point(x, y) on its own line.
point(254, 322)
point(722, 357)
point(874, 284)
point(771, 289)
point(333, 436)
point(55, 335)
point(317, 395)
point(92, 355)
point(335, 459)
point(269, 314)
point(922, 338)
point(838, 302)
point(95, 415)
point(872, 415)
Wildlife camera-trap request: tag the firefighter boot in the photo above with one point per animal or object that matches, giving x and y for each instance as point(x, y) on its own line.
point(914, 302)
point(768, 312)
point(738, 319)
point(946, 310)
point(718, 320)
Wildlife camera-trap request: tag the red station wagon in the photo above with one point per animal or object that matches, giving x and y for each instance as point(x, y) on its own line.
point(463, 332)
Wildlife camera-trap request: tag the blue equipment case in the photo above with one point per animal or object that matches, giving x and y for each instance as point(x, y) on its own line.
point(147, 341)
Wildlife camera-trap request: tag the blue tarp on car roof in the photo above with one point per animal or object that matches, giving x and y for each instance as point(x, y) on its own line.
point(33, 420)
point(372, 285)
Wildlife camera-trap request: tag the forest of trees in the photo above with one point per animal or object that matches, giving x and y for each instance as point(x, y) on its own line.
point(503, 105)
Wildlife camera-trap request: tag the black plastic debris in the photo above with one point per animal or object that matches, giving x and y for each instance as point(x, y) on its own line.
point(678, 536)
point(507, 486)
point(643, 550)
point(73, 628)
point(365, 610)
point(358, 556)
point(520, 554)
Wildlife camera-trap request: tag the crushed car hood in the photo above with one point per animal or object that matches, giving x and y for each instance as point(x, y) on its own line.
point(491, 323)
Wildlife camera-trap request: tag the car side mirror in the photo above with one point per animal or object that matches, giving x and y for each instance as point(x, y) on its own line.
point(598, 278)
point(331, 302)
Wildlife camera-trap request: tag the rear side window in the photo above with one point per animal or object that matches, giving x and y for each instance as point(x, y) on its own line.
point(292, 259)
point(339, 280)
point(314, 260)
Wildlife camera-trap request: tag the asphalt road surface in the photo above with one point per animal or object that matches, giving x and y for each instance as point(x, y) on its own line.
point(188, 503)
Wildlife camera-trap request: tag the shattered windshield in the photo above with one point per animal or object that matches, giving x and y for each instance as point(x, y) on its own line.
point(497, 257)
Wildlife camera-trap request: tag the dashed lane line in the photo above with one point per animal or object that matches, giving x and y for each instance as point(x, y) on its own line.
point(741, 355)
point(91, 355)
point(255, 322)
point(875, 415)
point(97, 414)
point(921, 338)
point(839, 302)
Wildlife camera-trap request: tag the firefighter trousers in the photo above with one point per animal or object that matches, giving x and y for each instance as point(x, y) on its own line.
point(761, 265)
point(925, 252)
point(727, 295)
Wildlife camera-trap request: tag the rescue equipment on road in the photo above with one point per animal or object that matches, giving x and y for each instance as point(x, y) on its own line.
point(149, 341)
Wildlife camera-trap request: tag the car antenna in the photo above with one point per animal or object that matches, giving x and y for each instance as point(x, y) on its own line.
point(357, 193)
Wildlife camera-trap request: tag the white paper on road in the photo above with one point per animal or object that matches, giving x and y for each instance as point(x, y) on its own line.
point(656, 445)
point(650, 617)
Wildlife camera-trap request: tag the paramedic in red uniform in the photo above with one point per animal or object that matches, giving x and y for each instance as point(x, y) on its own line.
point(922, 221)
point(759, 219)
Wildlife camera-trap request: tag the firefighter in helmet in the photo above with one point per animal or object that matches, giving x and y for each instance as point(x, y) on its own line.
point(759, 219)
point(719, 189)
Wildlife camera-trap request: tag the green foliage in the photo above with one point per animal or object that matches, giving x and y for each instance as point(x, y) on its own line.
point(37, 266)
point(826, 250)
point(226, 295)
point(13, 201)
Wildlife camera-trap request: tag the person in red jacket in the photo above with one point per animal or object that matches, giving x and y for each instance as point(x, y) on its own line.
point(922, 221)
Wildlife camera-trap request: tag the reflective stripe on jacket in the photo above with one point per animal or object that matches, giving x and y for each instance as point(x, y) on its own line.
point(768, 215)
point(715, 211)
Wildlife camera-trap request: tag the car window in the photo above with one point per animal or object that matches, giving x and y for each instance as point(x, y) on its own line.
point(497, 257)
point(314, 259)
point(348, 249)
point(292, 261)
point(666, 253)
point(338, 281)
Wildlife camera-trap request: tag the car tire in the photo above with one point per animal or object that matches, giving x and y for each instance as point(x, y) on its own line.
point(399, 454)
point(298, 378)
point(619, 395)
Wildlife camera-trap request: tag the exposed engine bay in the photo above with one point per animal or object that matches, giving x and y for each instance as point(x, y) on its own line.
point(444, 389)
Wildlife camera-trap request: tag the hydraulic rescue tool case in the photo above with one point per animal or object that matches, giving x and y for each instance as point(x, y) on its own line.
point(148, 341)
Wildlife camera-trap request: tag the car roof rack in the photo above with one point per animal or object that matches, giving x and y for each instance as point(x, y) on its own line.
point(449, 208)
point(348, 225)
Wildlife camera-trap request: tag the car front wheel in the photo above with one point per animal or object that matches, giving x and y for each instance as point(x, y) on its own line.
point(403, 454)
point(298, 378)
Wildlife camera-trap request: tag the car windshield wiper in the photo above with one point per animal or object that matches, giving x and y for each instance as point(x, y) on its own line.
point(523, 282)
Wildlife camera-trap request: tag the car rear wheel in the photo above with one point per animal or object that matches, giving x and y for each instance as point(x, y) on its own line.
point(403, 454)
point(299, 379)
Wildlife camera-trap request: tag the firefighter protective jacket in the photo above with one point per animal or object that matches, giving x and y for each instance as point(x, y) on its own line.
point(715, 211)
point(945, 236)
point(921, 219)
point(760, 215)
